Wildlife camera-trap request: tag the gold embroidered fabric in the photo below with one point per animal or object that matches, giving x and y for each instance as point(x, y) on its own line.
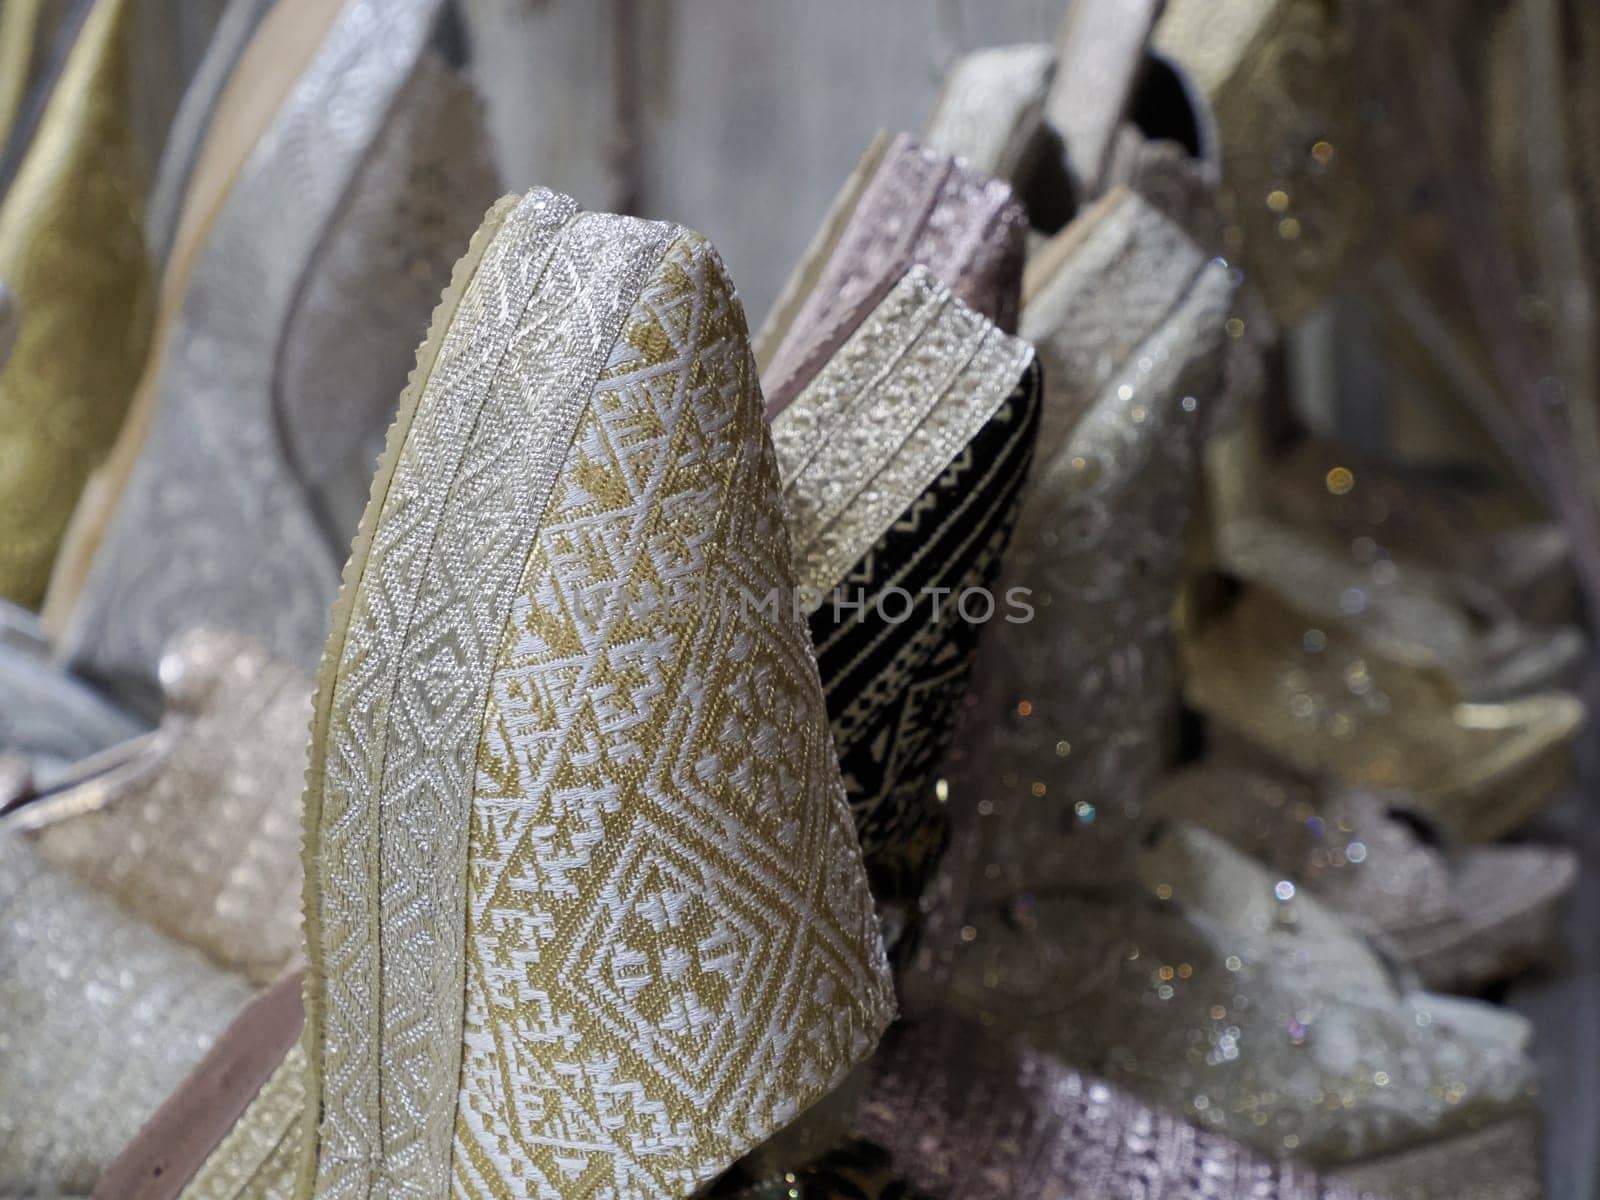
point(724, 967)
point(578, 743)
point(100, 1018)
point(1299, 138)
point(72, 250)
point(204, 843)
point(912, 386)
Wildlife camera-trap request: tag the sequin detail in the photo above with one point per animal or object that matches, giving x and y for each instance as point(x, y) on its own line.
point(902, 464)
point(1071, 710)
point(1214, 990)
point(888, 413)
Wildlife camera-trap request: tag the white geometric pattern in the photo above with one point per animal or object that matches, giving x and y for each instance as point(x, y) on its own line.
point(671, 948)
point(615, 826)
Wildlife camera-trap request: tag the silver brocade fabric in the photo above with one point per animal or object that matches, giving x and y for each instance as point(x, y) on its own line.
point(338, 236)
point(919, 207)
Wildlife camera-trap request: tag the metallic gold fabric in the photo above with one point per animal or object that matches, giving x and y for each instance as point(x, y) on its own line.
point(1309, 694)
point(100, 1017)
point(39, 35)
point(559, 759)
point(259, 1159)
point(71, 248)
point(204, 843)
point(1299, 140)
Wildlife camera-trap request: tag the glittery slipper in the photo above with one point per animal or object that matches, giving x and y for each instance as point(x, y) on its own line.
point(902, 462)
point(100, 1017)
point(1218, 991)
point(1461, 917)
point(1404, 611)
point(1309, 696)
point(256, 1060)
point(1071, 707)
point(570, 764)
point(1478, 536)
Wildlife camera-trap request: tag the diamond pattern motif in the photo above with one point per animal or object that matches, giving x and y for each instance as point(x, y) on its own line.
point(670, 945)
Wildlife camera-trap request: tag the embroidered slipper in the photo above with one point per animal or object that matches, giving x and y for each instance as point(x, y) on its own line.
point(585, 910)
point(344, 159)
